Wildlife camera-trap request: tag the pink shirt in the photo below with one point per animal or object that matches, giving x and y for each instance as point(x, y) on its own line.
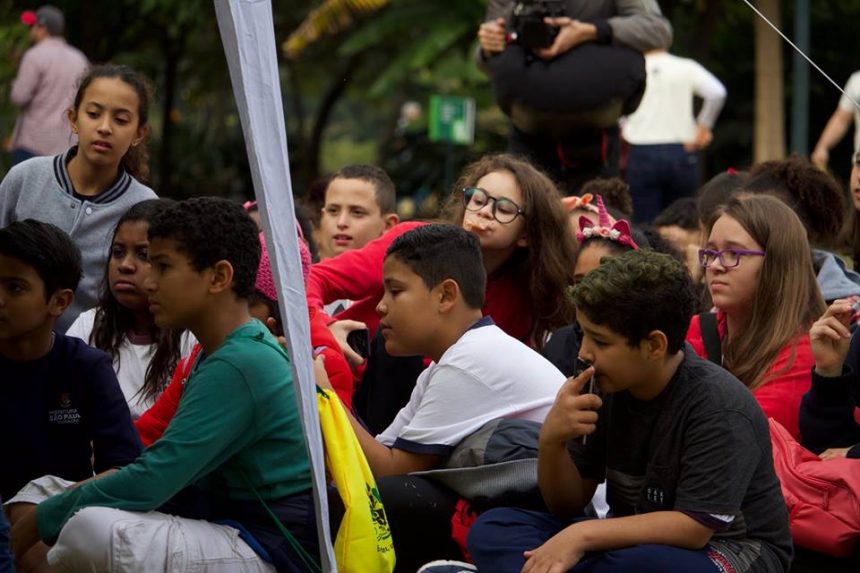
point(44, 89)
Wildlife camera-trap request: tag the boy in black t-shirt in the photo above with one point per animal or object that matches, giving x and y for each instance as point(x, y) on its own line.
point(683, 446)
point(62, 411)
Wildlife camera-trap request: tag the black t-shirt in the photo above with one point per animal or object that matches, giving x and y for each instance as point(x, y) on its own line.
point(702, 447)
point(63, 414)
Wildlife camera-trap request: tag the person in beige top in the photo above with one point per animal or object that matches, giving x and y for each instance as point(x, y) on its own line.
point(48, 75)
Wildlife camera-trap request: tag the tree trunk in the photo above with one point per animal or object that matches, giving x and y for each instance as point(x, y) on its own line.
point(173, 50)
point(769, 137)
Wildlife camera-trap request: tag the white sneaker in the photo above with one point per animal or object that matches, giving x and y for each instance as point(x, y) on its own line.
point(447, 566)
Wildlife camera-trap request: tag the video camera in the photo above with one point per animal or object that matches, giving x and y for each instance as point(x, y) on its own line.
point(528, 28)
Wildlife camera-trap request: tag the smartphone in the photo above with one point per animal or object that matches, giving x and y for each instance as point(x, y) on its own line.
point(359, 341)
point(582, 366)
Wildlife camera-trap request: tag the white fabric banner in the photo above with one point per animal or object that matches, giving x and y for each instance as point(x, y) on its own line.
point(247, 32)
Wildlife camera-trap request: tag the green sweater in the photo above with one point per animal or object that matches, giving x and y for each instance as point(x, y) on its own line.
point(238, 415)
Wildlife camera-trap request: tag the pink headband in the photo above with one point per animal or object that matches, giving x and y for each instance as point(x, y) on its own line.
point(618, 231)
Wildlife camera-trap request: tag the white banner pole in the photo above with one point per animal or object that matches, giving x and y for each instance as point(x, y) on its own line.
point(248, 35)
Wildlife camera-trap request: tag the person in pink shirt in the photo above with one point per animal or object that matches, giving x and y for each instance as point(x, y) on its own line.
point(48, 75)
point(758, 268)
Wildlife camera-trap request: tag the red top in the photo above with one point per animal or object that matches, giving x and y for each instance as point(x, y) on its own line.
point(780, 397)
point(152, 424)
point(357, 275)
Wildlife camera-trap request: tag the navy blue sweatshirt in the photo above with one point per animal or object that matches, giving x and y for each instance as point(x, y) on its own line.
point(827, 412)
point(59, 412)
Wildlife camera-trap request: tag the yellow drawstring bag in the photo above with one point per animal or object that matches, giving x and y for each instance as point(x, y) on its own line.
point(363, 543)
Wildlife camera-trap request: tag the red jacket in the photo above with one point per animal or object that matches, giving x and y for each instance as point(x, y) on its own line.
point(357, 275)
point(780, 397)
point(152, 424)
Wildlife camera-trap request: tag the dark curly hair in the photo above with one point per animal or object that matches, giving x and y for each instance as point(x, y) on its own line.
point(814, 195)
point(211, 229)
point(638, 292)
point(136, 159)
point(113, 320)
point(615, 193)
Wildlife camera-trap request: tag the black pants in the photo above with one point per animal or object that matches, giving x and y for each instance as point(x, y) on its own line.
point(574, 159)
point(419, 512)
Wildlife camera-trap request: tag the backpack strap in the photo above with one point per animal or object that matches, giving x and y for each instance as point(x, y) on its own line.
point(711, 337)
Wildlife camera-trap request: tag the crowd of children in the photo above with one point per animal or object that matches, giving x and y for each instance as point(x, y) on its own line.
point(149, 415)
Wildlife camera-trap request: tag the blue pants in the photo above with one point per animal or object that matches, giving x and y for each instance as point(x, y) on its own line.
point(20, 155)
point(657, 175)
point(5, 553)
point(499, 537)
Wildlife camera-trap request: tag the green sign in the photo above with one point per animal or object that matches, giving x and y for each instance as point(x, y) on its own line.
point(452, 119)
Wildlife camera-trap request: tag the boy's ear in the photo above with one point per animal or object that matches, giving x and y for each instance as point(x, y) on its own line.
point(221, 278)
point(448, 292)
point(656, 345)
point(60, 301)
point(390, 219)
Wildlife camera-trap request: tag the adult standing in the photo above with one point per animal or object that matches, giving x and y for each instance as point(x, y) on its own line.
point(578, 151)
point(44, 87)
point(839, 123)
point(665, 136)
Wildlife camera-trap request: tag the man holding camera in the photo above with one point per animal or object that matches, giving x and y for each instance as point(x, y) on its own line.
point(573, 145)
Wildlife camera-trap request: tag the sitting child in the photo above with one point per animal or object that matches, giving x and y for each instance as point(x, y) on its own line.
point(682, 444)
point(121, 325)
point(236, 437)
point(61, 409)
point(434, 283)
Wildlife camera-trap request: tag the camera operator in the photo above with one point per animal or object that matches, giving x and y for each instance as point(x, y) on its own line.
point(582, 152)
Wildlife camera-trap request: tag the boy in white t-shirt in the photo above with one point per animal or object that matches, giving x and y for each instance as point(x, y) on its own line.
point(434, 282)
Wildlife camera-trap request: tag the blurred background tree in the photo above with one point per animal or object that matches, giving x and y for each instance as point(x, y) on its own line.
point(357, 76)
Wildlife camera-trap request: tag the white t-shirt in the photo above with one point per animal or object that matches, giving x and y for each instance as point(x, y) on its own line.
point(665, 114)
point(852, 88)
point(485, 375)
point(131, 363)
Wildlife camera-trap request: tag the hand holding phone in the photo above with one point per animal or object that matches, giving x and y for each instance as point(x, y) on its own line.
point(359, 341)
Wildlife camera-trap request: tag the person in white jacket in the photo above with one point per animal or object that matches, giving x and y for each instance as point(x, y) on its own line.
point(664, 134)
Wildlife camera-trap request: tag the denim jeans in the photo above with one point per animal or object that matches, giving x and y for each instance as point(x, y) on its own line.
point(659, 174)
point(5, 552)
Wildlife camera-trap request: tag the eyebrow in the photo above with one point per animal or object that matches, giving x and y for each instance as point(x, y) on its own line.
point(100, 106)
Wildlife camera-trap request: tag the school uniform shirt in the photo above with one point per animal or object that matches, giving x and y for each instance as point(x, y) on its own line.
point(788, 377)
point(702, 447)
point(40, 188)
point(132, 360)
point(357, 276)
point(237, 420)
point(485, 375)
point(62, 414)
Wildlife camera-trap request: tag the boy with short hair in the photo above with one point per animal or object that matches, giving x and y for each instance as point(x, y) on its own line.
point(61, 409)
point(434, 281)
point(236, 436)
point(359, 205)
point(682, 444)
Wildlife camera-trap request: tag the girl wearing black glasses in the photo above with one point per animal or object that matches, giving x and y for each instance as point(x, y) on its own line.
point(758, 269)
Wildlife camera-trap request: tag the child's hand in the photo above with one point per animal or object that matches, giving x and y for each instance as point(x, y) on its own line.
point(341, 329)
point(829, 338)
point(558, 554)
point(320, 374)
point(573, 414)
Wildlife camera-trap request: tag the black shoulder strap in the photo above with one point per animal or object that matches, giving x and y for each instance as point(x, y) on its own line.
point(711, 337)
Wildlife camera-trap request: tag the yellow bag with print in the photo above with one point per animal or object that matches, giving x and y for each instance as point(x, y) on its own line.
point(363, 543)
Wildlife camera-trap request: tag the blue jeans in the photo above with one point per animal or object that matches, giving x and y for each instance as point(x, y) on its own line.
point(659, 174)
point(5, 553)
point(498, 538)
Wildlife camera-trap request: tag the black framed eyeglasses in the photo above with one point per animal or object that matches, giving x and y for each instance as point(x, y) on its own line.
point(504, 210)
point(729, 258)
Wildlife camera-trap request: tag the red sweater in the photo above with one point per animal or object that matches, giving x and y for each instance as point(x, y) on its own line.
point(357, 275)
point(152, 424)
point(780, 397)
